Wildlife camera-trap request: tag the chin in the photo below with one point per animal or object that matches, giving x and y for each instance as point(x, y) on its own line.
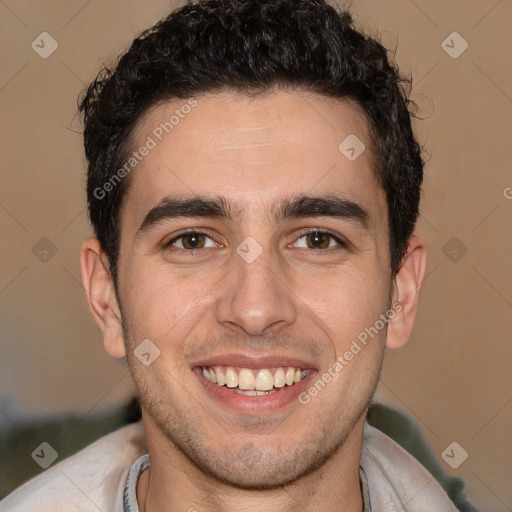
point(258, 466)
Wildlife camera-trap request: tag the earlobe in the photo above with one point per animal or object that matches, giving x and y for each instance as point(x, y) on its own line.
point(406, 288)
point(101, 296)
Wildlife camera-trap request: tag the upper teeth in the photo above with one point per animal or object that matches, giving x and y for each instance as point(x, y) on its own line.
point(248, 379)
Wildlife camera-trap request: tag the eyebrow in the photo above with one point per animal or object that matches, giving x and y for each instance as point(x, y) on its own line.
point(219, 207)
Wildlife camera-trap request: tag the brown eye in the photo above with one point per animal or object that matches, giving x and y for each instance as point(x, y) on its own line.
point(190, 241)
point(318, 240)
point(193, 240)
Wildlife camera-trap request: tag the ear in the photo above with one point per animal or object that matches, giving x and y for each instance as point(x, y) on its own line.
point(406, 289)
point(101, 296)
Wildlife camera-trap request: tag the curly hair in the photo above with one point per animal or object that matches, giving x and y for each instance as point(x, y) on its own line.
point(252, 46)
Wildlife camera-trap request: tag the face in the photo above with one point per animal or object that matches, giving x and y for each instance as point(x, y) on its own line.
point(253, 254)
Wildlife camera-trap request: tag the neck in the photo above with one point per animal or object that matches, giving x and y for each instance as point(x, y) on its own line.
point(173, 483)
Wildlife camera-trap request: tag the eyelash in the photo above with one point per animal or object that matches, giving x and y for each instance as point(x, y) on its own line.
point(168, 245)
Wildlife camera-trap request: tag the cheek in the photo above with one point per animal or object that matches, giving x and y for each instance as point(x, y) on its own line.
point(162, 305)
point(347, 298)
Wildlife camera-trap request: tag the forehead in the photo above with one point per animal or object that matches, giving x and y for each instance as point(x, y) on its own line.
point(253, 150)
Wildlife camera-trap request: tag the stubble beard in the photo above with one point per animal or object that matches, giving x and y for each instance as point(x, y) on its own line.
point(251, 465)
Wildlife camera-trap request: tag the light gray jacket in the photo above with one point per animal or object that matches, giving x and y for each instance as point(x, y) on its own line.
point(94, 478)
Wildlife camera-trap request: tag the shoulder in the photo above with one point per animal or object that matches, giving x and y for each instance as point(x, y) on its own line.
point(396, 480)
point(91, 480)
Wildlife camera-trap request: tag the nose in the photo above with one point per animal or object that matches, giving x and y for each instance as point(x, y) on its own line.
point(255, 296)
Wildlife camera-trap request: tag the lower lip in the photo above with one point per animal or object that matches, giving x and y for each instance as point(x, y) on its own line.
point(257, 404)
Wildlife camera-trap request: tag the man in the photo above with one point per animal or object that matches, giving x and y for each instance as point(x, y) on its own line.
point(253, 184)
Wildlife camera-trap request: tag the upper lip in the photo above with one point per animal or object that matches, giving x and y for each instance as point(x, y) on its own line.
point(254, 361)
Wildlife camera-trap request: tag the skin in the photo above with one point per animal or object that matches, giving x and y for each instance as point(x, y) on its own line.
point(294, 300)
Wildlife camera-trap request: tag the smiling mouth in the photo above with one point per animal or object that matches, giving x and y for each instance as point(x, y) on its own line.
point(254, 382)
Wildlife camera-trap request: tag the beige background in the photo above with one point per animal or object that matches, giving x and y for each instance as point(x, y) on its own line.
point(454, 377)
